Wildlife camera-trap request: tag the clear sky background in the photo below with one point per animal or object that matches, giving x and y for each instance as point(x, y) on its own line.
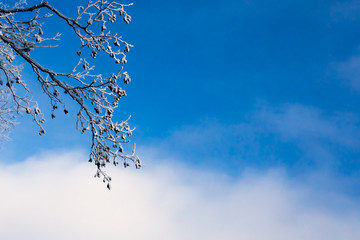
point(248, 123)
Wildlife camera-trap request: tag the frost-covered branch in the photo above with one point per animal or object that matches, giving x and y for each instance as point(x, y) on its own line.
point(96, 95)
point(7, 116)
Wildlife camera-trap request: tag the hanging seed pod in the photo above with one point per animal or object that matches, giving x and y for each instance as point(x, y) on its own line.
point(112, 19)
point(38, 38)
point(41, 132)
point(137, 164)
point(115, 102)
point(127, 79)
point(113, 80)
point(97, 110)
point(116, 43)
point(93, 54)
point(86, 65)
point(127, 49)
point(110, 111)
point(102, 38)
point(127, 19)
point(122, 93)
point(41, 31)
point(37, 111)
point(123, 60)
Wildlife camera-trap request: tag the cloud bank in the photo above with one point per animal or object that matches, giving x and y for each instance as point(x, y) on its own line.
point(54, 196)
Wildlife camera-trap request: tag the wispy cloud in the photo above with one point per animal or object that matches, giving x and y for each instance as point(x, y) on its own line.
point(349, 71)
point(271, 136)
point(311, 128)
point(345, 10)
point(53, 197)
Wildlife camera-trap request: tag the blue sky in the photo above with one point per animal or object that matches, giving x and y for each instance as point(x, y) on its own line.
point(231, 87)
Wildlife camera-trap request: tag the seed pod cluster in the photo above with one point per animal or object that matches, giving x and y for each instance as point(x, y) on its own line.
point(127, 19)
point(112, 19)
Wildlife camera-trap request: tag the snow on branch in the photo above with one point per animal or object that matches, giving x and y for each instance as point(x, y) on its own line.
point(7, 116)
point(96, 95)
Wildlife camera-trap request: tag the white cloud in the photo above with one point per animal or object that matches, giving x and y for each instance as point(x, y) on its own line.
point(53, 196)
